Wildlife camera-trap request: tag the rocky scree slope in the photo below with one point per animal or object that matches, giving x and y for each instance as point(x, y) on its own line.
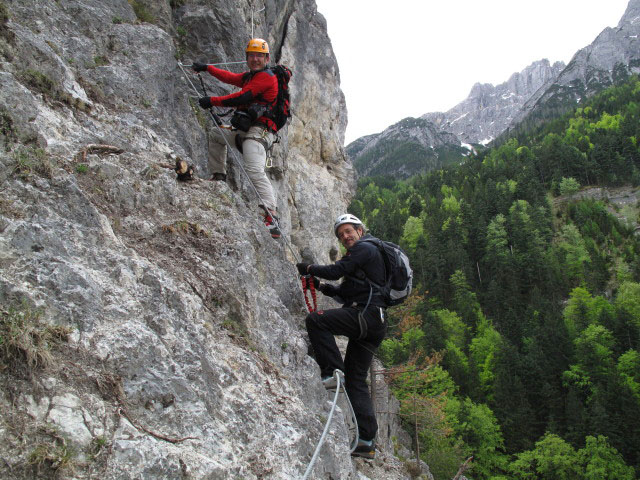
point(150, 328)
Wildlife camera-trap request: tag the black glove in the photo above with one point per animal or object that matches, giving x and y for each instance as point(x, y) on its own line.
point(302, 268)
point(205, 102)
point(199, 67)
point(327, 289)
point(316, 281)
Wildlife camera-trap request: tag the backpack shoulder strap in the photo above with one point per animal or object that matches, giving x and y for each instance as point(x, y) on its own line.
point(378, 243)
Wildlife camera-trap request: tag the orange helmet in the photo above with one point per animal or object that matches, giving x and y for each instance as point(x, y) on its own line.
point(257, 45)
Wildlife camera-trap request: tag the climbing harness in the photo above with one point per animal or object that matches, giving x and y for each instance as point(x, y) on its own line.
point(339, 376)
point(308, 285)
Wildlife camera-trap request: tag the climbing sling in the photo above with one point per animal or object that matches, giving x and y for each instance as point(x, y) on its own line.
point(308, 284)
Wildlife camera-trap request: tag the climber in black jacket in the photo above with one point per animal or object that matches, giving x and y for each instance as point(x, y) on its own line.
point(361, 319)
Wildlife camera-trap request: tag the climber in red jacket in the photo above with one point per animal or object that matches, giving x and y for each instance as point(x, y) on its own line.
point(255, 132)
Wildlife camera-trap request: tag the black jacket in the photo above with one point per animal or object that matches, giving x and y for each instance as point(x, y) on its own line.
point(363, 259)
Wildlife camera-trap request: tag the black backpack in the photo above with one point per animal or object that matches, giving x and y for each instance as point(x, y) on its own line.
point(280, 110)
point(398, 273)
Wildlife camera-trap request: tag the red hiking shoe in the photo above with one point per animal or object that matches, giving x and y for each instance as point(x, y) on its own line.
point(271, 222)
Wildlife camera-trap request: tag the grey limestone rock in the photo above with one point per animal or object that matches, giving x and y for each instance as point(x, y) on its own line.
point(489, 110)
point(185, 352)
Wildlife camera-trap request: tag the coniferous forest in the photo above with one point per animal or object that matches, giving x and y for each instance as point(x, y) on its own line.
point(520, 344)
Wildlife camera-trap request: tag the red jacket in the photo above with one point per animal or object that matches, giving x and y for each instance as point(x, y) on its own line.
point(260, 87)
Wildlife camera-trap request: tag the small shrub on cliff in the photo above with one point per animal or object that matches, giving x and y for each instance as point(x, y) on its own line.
point(100, 60)
point(29, 161)
point(7, 131)
point(25, 340)
point(6, 36)
point(38, 81)
point(82, 168)
point(141, 11)
point(49, 458)
point(4, 16)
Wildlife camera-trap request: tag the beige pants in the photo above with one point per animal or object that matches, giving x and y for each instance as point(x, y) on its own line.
point(254, 155)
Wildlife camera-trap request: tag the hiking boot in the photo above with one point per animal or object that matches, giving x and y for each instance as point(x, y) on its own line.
point(219, 177)
point(330, 383)
point(271, 222)
point(365, 449)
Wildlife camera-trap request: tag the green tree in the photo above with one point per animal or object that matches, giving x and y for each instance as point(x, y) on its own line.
point(629, 369)
point(628, 300)
point(551, 459)
point(574, 253)
point(603, 462)
point(412, 232)
point(577, 314)
point(594, 351)
point(394, 351)
point(569, 186)
point(483, 356)
point(479, 429)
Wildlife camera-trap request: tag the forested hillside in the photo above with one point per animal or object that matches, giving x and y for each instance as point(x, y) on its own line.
point(521, 343)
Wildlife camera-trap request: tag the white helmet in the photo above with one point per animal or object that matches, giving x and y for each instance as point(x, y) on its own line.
point(346, 218)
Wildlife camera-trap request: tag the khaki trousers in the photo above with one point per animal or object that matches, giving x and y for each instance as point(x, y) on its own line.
point(255, 143)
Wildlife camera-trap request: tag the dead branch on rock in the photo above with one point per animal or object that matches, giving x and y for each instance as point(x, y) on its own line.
point(123, 412)
point(111, 385)
point(463, 468)
point(99, 149)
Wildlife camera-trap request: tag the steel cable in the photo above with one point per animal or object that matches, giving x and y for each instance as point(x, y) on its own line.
point(339, 376)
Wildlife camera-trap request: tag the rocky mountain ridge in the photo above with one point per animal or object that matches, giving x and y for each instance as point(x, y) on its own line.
point(539, 92)
point(489, 110)
point(440, 138)
point(408, 147)
point(152, 328)
point(611, 58)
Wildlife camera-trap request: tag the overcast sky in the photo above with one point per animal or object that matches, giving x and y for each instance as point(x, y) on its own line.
point(404, 58)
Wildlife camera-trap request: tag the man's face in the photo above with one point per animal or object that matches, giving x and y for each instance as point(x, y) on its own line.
point(348, 234)
point(257, 61)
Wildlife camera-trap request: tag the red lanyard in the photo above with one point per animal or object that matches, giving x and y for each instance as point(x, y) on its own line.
point(308, 284)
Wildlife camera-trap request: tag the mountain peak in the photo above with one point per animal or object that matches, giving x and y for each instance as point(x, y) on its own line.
point(488, 109)
point(631, 15)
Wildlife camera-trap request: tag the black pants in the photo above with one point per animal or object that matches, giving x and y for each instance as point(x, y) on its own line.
point(322, 326)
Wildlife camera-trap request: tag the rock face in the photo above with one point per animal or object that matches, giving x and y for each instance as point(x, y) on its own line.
point(489, 110)
point(161, 327)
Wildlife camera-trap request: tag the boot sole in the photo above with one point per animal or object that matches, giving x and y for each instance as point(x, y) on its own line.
point(367, 455)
